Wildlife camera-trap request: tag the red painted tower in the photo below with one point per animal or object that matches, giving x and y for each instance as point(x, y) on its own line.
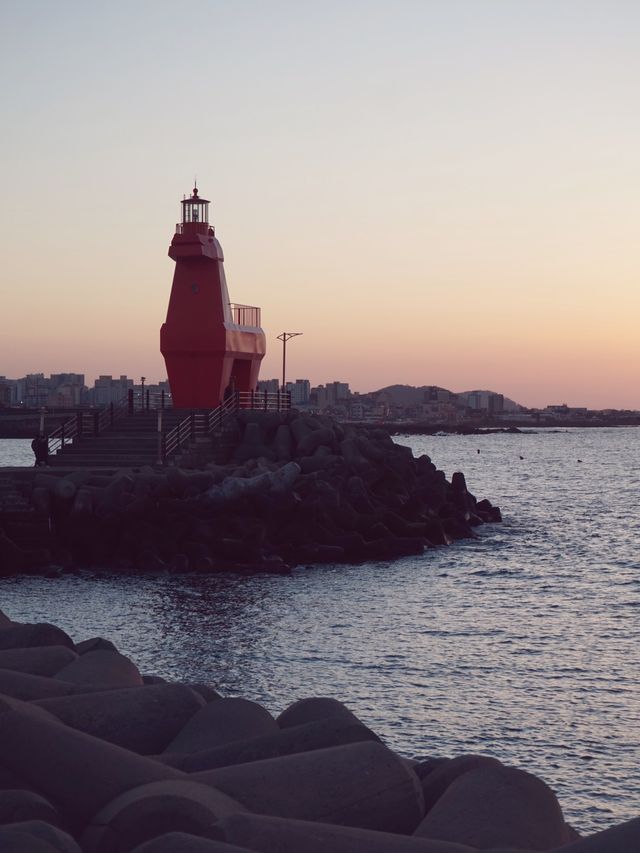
point(208, 343)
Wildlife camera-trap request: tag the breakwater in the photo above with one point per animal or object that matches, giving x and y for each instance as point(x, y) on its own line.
point(99, 757)
point(296, 489)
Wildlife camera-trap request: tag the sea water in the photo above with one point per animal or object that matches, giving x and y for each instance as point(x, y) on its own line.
point(521, 644)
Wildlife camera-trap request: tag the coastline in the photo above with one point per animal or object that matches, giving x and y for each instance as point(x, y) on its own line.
point(25, 424)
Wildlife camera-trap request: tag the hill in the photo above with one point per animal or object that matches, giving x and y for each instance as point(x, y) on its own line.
point(410, 395)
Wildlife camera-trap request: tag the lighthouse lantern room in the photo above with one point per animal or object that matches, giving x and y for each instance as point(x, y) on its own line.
point(195, 209)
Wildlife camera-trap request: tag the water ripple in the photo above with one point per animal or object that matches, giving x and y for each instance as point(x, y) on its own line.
point(520, 644)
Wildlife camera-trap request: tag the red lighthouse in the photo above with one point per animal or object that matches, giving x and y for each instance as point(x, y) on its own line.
point(208, 343)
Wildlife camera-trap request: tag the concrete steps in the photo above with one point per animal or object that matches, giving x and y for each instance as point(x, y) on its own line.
point(131, 442)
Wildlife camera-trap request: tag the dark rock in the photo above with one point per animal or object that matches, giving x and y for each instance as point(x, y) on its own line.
point(360, 784)
point(495, 806)
point(143, 720)
point(318, 734)
point(444, 772)
point(313, 709)
point(94, 644)
point(220, 722)
point(23, 636)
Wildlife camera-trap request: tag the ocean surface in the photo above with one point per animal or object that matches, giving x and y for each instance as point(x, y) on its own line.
point(522, 643)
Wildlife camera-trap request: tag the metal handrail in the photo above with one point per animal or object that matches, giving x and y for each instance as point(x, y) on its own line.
point(148, 400)
point(66, 432)
point(216, 416)
point(197, 425)
point(264, 401)
point(176, 437)
point(245, 315)
point(86, 423)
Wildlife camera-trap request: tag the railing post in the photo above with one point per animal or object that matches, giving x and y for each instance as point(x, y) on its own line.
point(111, 417)
point(147, 400)
point(160, 454)
point(130, 400)
point(62, 436)
point(265, 399)
point(193, 426)
point(162, 399)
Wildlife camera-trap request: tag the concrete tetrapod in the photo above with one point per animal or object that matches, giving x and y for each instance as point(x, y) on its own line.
point(220, 722)
point(435, 783)
point(494, 807)
point(79, 773)
point(143, 719)
point(103, 667)
point(26, 635)
point(14, 840)
point(35, 836)
point(271, 834)
point(624, 838)
point(23, 685)
point(151, 810)
point(316, 708)
point(20, 805)
point(334, 731)
point(40, 660)
point(361, 784)
point(181, 842)
point(8, 703)
point(94, 644)
point(10, 781)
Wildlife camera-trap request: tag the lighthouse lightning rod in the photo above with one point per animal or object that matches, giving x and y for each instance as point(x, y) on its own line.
point(284, 337)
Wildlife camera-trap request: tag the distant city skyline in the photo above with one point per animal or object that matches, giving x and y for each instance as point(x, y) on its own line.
point(436, 191)
point(107, 388)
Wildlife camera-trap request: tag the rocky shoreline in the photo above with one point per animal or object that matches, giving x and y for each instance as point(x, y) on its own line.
point(294, 489)
point(97, 757)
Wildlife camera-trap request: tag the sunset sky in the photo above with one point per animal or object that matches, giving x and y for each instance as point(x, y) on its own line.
point(435, 192)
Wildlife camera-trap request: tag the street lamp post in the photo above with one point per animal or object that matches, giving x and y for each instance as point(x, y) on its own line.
point(284, 337)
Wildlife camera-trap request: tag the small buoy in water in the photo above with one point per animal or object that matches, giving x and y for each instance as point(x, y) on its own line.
point(579, 460)
point(478, 450)
point(522, 457)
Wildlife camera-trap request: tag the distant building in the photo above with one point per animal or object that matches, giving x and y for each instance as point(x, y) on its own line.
point(440, 411)
point(477, 400)
point(271, 386)
point(495, 404)
point(108, 390)
point(300, 391)
point(564, 411)
point(6, 391)
point(66, 390)
point(440, 395)
point(33, 390)
point(333, 395)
